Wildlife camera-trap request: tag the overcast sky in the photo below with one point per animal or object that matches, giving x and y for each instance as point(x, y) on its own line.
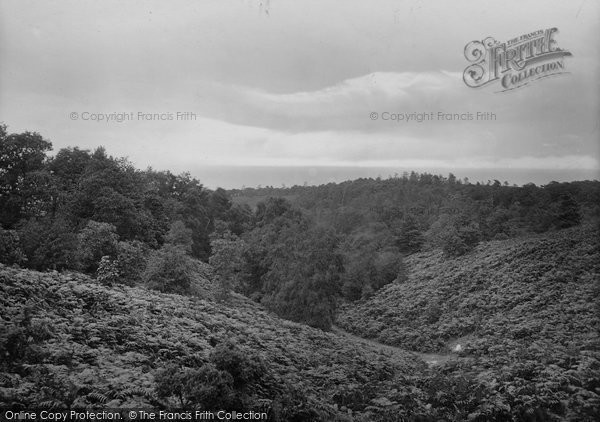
point(292, 84)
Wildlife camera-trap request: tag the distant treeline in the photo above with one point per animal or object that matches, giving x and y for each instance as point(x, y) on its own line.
point(91, 212)
point(423, 210)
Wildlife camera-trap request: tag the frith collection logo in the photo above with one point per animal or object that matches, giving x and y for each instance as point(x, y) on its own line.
point(516, 62)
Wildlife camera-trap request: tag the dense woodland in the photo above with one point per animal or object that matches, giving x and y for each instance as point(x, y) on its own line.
point(299, 251)
point(122, 287)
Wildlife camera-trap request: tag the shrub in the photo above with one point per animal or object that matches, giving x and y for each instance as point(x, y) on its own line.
point(206, 386)
point(20, 340)
point(108, 272)
point(219, 384)
point(131, 261)
point(169, 270)
point(95, 241)
point(244, 367)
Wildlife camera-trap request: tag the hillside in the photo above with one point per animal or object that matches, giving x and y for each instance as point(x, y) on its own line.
point(522, 313)
point(68, 341)
point(72, 342)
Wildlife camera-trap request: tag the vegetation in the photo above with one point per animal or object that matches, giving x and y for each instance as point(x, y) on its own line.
point(143, 289)
point(523, 311)
point(91, 345)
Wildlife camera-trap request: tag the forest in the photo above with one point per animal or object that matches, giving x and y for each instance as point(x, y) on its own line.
point(381, 258)
point(298, 251)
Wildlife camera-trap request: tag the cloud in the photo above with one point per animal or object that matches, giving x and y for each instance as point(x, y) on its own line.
point(343, 106)
point(297, 87)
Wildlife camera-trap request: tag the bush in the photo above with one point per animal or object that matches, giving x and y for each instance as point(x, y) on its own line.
point(20, 340)
point(95, 241)
point(169, 270)
point(245, 368)
point(108, 272)
point(219, 384)
point(131, 261)
point(206, 386)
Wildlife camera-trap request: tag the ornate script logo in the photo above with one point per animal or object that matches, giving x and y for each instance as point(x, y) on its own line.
point(514, 63)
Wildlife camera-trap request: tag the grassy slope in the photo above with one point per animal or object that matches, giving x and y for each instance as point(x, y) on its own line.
point(105, 343)
point(525, 312)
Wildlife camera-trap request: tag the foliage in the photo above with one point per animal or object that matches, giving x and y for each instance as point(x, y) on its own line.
point(523, 311)
point(108, 271)
point(244, 366)
point(410, 235)
point(49, 243)
point(521, 308)
point(291, 266)
point(50, 199)
point(109, 347)
point(169, 270)
point(10, 248)
point(21, 157)
point(95, 241)
point(223, 382)
point(206, 386)
point(179, 235)
point(408, 205)
point(131, 261)
point(20, 339)
point(371, 260)
point(227, 262)
point(454, 235)
point(567, 214)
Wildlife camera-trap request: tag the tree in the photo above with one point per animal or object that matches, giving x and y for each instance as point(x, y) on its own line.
point(21, 155)
point(227, 261)
point(302, 283)
point(455, 235)
point(68, 166)
point(371, 260)
point(49, 243)
point(10, 248)
point(131, 261)
point(567, 214)
point(169, 270)
point(108, 191)
point(95, 241)
point(410, 236)
point(179, 235)
point(239, 218)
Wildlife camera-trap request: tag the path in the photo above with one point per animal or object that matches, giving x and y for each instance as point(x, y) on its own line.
point(430, 359)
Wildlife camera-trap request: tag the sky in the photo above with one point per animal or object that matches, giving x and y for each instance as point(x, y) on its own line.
point(271, 92)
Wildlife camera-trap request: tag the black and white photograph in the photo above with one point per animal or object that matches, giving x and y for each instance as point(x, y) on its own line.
point(300, 210)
